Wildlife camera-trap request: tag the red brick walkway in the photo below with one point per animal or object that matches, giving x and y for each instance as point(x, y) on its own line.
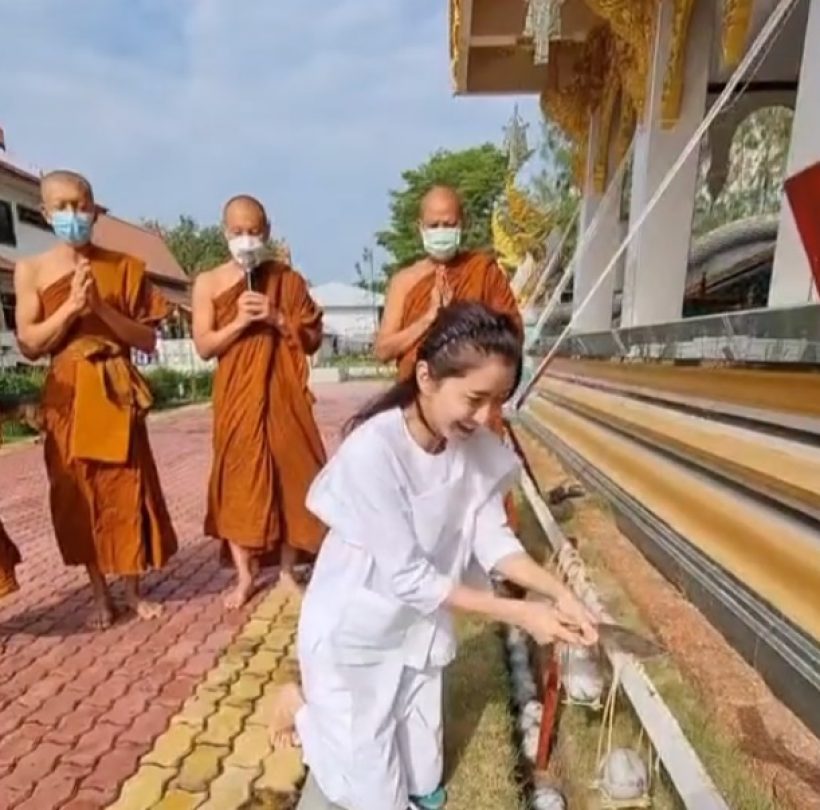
point(78, 709)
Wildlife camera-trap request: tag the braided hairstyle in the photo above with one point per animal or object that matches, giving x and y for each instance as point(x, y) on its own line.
point(462, 335)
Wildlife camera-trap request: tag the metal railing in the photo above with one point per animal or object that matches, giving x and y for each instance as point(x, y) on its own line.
point(790, 335)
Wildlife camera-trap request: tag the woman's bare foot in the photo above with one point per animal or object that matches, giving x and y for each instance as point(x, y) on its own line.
point(287, 702)
point(240, 595)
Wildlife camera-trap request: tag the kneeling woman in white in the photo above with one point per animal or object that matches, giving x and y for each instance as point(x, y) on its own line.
point(412, 499)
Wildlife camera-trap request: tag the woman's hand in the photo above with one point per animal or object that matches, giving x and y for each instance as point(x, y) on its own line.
point(546, 624)
point(573, 612)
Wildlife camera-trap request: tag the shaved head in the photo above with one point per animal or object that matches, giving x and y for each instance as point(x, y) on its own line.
point(62, 182)
point(245, 215)
point(245, 205)
point(441, 205)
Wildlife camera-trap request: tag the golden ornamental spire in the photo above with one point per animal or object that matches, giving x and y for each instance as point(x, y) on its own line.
point(737, 18)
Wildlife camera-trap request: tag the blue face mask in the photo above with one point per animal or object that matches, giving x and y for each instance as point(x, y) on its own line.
point(441, 244)
point(72, 227)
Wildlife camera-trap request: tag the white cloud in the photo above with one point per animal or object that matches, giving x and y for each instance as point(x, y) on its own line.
point(170, 107)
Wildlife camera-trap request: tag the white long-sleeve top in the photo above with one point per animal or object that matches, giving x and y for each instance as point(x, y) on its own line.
point(404, 527)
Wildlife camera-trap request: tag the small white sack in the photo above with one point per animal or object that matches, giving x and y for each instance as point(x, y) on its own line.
point(581, 674)
point(530, 744)
point(622, 775)
point(524, 688)
point(548, 798)
point(530, 716)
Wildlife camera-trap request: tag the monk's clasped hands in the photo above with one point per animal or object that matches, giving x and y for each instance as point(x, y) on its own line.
point(441, 295)
point(255, 307)
point(82, 285)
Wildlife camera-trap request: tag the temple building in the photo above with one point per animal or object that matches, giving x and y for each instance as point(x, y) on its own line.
point(675, 368)
point(638, 78)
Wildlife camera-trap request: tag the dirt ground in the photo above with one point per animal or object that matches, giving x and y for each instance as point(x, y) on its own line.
point(784, 754)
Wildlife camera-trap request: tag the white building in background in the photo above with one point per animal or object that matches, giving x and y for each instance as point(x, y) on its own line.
point(24, 232)
point(351, 314)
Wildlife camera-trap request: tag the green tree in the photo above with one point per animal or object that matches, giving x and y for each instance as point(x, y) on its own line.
point(478, 174)
point(195, 247)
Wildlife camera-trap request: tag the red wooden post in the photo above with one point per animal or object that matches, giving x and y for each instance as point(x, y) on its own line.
point(551, 692)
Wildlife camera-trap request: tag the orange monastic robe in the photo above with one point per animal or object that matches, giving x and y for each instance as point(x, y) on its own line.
point(472, 276)
point(9, 558)
point(267, 448)
point(106, 501)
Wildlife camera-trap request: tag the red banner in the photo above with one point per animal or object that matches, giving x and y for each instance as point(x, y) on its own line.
point(803, 192)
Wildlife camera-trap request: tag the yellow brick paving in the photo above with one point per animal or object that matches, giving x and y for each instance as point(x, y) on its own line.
point(216, 753)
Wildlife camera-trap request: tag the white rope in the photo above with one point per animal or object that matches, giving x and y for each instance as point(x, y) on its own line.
point(586, 238)
point(682, 764)
point(772, 24)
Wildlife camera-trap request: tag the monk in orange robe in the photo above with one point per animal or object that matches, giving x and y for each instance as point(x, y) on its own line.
point(9, 556)
point(86, 308)
point(9, 560)
point(255, 315)
point(445, 274)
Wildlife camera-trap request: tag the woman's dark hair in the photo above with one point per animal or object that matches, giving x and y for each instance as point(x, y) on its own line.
point(461, 334)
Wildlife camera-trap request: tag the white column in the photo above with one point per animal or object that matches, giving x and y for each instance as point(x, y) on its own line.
point(601, 212)
point(657, 258)
point(792, 281)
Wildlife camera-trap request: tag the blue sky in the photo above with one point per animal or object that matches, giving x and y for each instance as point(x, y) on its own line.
point(172, 106)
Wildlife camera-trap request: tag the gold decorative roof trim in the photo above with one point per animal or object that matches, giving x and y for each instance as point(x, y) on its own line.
point(455, 37)
point(737, 19)
point(614, 65)
point(676, 63)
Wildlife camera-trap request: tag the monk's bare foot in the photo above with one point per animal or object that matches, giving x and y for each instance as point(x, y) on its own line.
point(146, 610)
point(289, 584)
point(104, 614)
point(240, 595)
point(286, 703)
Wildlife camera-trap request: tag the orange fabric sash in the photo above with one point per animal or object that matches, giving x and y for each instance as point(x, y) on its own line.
point(108, 393)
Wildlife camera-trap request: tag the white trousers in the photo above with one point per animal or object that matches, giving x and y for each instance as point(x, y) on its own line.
point(372, 735)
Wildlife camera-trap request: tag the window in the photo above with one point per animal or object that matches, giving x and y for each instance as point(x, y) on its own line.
point(31, 216)
point(7, 301)
point(7, 234)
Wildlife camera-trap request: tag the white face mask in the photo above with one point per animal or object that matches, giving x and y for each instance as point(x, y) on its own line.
point(246, 250)
point(441, 244)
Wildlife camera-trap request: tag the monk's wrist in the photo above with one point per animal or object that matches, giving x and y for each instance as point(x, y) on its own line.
point(69, 312)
